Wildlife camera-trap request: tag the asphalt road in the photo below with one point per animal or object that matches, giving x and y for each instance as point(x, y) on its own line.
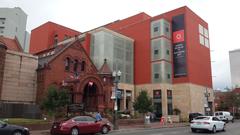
point(231, 129)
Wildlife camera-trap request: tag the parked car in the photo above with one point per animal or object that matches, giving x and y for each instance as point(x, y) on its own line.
point(8, 129)
point(209, 123)
point(80, 125)
point(224, 116)
point(194, 115)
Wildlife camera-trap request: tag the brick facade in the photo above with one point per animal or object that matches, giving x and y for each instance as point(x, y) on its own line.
point(3, 49)
point(53, 72)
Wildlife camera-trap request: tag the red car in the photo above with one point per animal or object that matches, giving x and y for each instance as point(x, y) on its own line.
point(80, 125)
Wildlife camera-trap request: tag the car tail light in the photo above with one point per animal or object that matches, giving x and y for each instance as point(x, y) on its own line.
point(206, 123)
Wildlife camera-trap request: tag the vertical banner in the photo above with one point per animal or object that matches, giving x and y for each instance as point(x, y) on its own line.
point(179, 46)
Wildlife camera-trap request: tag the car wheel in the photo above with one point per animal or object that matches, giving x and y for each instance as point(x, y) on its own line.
point(17, 133)
point(105, 130)
point(214, 129)
point(227, 121)
point(224, 126)
point(74, 131)
point(193, 130)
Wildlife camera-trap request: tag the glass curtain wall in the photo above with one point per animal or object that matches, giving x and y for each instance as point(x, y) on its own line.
point(118, 51)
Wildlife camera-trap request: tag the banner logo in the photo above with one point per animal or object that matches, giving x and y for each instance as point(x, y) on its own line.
point(178, 36)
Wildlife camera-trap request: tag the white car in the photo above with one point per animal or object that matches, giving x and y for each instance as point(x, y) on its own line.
point(224, 116)
point(209, 123)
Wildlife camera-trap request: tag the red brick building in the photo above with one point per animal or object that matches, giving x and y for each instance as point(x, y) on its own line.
point(68, 65)
point(171, 54)
point(223, 100)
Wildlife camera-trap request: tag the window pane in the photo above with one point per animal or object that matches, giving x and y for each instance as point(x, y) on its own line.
point(155, 29)
point(201, 39)
point(205, 32)
point(167, 52)
point(206, 42)
point(200, 29)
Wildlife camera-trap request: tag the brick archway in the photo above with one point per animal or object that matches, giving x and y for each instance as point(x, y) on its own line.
point(99, 90)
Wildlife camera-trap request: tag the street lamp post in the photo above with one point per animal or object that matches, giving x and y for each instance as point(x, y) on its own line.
point(116, 77)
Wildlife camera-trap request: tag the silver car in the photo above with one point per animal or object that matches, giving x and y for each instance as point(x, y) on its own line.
point(208, 123)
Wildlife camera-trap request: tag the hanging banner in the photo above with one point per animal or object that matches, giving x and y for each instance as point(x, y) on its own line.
point(179, 46)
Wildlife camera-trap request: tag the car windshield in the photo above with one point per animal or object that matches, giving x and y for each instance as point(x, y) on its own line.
point(202, 118)
point(2, 122)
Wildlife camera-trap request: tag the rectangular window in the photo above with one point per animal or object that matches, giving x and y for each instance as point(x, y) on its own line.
point(168, 52)
point(167, 29)
point(201, 39)
point(1, 29)
point(200, 27)
point(206, 42)
point(169, 102)
point(170, 109)
point(155, 52)
point(155, 29)
point(156, 75)
point(168, 76)
point(2, 20)
point(157, 94)
point(169, 94)
point(205, 32)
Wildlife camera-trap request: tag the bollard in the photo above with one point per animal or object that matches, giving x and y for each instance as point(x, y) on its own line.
point(147, 119)
point(170, 120)
point(162, 120)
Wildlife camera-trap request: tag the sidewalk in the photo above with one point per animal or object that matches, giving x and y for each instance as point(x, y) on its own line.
point(153, 125)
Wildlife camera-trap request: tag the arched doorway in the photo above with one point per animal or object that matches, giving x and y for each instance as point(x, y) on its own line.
point(90, 97)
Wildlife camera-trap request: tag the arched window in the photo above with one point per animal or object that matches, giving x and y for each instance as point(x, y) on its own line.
point(83, 65)
point(67, 64)
point(75, 67)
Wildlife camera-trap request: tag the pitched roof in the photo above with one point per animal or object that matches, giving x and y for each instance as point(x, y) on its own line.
point(52, 53)
point(105, 68)
point(11, 44)
point(47, 55)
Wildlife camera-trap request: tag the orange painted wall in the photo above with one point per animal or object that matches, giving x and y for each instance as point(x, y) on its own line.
point(199, 61)
point(198, 56)
point(42, 37)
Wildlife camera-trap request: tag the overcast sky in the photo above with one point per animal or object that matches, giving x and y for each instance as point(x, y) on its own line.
point(222, 16)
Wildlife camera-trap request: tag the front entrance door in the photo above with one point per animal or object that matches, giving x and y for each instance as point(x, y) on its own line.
point(90, 97)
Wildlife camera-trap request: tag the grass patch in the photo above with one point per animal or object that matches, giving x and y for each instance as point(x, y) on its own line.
point(22, 121)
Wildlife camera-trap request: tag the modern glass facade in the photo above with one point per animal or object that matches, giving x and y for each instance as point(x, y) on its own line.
point(117, 49)
point(161, 52)
point(160, 28)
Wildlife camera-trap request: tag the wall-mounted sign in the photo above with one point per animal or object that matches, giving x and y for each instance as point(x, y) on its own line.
point(75, 107)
